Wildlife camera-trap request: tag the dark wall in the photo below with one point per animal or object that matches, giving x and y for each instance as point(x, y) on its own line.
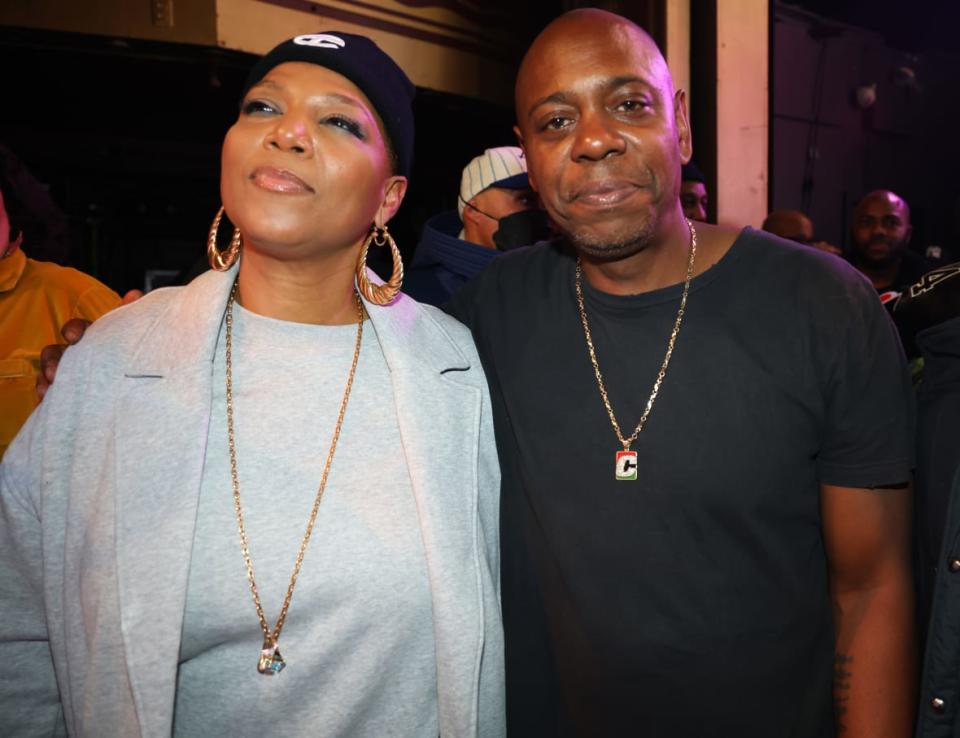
point(826, 151)
point(127, 135)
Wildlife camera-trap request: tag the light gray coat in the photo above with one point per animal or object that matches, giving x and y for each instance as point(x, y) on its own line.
point(98, 497)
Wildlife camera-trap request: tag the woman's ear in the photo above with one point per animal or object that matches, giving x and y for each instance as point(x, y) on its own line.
point(393, 192)
point(469, 214)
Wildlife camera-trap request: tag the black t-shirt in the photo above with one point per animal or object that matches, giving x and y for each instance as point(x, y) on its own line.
point(912, 268)
point(694, 600)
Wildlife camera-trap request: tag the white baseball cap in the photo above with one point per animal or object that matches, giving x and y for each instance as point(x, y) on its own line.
point(504, 166)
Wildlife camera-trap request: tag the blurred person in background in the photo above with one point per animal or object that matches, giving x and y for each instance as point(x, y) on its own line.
point(794, 225)
point(37, 298)
point(694, 197)
point(496, 212)
point(879, 244)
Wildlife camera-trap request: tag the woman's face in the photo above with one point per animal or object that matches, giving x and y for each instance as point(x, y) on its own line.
point(305, 168)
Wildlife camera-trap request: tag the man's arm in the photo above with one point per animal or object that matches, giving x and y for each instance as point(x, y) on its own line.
point(867, 537)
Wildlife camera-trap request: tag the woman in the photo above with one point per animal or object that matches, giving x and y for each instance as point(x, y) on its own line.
point(203, 443)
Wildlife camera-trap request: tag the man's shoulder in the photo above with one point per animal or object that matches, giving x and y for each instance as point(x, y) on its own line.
point(511, 284)
point(785, 262)
point(540, 262)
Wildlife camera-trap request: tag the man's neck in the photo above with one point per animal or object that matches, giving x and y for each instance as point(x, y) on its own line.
point(659, 263)
point(881, 275)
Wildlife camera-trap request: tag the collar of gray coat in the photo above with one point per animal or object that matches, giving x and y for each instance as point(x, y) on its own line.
point(408, 332)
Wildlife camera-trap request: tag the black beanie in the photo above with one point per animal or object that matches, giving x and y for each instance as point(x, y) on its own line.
point(362, 62)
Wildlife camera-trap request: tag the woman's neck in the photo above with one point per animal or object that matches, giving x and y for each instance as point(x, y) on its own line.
point(319, 292)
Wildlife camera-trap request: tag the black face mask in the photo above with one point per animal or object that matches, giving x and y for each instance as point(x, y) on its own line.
point(522, 228)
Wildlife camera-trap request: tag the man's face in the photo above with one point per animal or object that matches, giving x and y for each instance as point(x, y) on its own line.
point(881, 229)
point(603, 134)
point(693, 200)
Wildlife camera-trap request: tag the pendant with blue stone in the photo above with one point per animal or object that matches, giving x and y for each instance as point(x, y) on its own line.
point(271, 662)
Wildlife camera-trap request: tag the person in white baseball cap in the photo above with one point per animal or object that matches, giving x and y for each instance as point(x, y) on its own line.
point(497, 211)
point(493, 186)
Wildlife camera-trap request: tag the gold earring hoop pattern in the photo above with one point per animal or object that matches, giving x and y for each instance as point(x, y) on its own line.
point(219, 260)
point(380, 294)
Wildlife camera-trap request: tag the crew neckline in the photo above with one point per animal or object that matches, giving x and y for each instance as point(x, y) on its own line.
point(671, 293)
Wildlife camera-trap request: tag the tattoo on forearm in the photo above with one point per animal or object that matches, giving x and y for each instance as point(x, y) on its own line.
point(842, 664)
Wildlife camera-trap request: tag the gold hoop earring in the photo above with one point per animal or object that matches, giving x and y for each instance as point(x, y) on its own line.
point(221, 261)
point(380, 294)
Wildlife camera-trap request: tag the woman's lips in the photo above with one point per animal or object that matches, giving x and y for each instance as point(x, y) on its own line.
point(279, 180)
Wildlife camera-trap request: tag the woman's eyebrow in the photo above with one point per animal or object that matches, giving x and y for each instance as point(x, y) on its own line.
point(267, 83)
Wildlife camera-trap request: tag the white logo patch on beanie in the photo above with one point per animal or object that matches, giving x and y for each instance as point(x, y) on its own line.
point(320, 40)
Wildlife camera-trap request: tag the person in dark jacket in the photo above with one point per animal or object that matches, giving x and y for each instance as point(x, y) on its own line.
point(928, 317)
point(938, 521)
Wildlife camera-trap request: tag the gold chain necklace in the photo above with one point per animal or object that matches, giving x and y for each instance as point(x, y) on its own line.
point(626, 461)
point(271, 662)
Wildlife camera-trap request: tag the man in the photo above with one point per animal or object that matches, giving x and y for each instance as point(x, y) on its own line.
point(693, 192)
point(701, 572)
point(880, 235)
point(496, 211)
point(703, 576)
point(795, 226)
